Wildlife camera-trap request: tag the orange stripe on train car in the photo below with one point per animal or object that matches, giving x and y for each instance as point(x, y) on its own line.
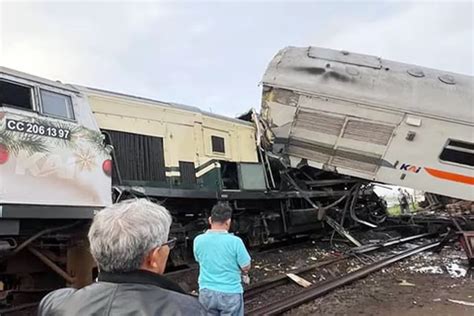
point(450, 176)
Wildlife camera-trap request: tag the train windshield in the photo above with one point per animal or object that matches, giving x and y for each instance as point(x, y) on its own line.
point(15, 95)
point(20, 96)
point(56, 104)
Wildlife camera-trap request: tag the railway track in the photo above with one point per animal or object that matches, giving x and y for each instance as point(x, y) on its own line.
point(258, 288)
point(187, 275)
point(305, 295)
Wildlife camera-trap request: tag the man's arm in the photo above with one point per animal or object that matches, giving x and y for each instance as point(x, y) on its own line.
point(195, 251)
point(245, 269)
point(243, 257)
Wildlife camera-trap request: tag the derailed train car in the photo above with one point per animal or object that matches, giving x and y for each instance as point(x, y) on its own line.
point(303, 165)
point(371, 118)
point(67, 151)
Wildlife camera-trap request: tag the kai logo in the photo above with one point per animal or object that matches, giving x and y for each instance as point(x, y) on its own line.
point(410, 168)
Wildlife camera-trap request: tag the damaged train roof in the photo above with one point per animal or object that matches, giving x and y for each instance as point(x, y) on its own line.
point(373, 81)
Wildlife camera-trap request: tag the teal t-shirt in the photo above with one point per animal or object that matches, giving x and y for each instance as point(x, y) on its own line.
point(220, 256)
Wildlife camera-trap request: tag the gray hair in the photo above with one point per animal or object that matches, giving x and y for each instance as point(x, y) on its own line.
point(122, 234)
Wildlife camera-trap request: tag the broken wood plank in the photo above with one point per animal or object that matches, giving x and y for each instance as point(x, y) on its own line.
point(461, 302)
point(299, 280)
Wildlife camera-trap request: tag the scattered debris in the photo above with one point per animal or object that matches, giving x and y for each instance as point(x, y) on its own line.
point(405, 283)
point(429, 269)
point(299, 280)
point(461, 302)
point(455, 270)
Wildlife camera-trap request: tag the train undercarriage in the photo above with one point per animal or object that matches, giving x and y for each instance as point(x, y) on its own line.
point(49, 253)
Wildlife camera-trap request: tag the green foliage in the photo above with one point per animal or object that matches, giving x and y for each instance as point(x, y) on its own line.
point(21, 141)
point(16, 141)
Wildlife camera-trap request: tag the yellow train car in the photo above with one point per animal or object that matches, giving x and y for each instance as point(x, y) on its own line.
point(168, 145)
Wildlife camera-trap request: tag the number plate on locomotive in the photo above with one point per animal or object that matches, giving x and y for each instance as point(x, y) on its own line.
point(37, 129)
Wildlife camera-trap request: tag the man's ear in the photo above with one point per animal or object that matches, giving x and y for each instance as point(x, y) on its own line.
point(155, 254)
point(228, 221)
point(149, 258)
point(210, 221)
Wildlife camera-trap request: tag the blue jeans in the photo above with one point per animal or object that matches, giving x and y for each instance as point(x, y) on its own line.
point(221, 304)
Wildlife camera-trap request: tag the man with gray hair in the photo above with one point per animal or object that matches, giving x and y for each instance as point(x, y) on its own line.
point(129, 242)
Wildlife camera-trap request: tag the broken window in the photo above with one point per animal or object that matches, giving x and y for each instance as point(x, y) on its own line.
point(218, 144)
point(15, 95)
point(459, 152)
point(56, 104)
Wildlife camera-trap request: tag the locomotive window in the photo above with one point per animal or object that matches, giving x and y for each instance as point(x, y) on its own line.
point(56, 104)
point(458, 152)
point(15, 95)
point(218, 144)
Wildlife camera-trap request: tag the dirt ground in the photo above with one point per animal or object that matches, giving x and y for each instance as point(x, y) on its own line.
point(382, 294)
point(419, 285)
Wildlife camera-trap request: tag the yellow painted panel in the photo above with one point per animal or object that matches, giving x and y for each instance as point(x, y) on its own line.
point(186, 134)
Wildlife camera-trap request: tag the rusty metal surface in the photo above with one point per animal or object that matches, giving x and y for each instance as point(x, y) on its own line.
point(51, 265)
point(278, 280)
point(80, 264)
point(311, 293)
point(467, 242)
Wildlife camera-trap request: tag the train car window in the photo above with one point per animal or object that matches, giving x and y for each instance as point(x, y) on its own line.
point(458, 152)
point(15, 95)
point(56, 104)
point(218, 144)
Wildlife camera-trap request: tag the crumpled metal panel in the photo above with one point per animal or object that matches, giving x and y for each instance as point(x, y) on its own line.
point(368, 132)
point(330, 73)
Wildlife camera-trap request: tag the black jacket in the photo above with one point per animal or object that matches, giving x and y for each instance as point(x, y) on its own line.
point(132, 293)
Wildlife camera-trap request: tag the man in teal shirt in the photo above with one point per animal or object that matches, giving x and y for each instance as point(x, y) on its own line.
point(223, 264)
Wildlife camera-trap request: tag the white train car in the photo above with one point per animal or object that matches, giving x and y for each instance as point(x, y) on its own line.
point(372, 118)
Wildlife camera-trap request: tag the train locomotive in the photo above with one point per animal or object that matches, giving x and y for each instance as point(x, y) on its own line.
point(304, 165)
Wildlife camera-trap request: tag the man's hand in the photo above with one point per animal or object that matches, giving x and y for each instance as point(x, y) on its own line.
point(245, 270)
point(245, 279)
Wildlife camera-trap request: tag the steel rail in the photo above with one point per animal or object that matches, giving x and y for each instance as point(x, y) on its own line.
point(368, 248)
point(283, 279)
point(311, 293)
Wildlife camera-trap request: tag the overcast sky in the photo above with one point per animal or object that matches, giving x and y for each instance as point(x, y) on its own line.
point(213, 54)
